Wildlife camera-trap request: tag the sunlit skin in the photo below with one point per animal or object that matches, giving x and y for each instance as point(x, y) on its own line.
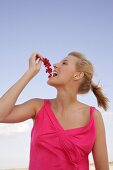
point(67, 73)
point(66, 82)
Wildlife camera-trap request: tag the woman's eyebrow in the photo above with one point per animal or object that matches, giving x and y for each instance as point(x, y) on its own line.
point(64, 60)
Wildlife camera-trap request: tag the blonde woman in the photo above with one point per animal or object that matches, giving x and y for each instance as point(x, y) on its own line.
point(65, 130)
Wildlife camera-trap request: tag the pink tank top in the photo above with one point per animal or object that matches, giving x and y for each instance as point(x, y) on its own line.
point(53, 148)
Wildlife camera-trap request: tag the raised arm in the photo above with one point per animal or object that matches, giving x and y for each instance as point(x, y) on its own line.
point(99, 152)
point(9, 112)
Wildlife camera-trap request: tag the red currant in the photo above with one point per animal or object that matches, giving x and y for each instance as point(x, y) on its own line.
point(48, 67)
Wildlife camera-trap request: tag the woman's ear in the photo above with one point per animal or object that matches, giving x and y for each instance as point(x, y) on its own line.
point(78, 75)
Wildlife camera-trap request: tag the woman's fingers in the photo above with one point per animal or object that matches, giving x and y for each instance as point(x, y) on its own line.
point(38, 56)
point(35, 62)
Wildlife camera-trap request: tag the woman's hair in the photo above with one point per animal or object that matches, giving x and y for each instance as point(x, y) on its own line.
point(87, 84)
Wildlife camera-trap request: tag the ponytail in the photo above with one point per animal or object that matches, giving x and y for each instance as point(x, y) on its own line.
point(102, 100)
point(85, 66)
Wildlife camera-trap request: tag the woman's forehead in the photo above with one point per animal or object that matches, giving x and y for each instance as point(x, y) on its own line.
point(70, 58)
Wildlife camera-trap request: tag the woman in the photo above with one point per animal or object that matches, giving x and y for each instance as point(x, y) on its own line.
point(65, 130)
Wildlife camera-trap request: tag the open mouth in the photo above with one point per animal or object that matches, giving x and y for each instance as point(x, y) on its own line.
point(55, 74)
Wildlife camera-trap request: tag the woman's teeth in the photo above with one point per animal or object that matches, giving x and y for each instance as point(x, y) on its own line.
point(55, 74)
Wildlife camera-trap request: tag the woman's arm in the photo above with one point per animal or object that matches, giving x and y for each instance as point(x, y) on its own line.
point(9, 112)
point(99, 152)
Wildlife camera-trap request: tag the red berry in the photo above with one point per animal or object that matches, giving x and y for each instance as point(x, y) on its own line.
point(47, 65)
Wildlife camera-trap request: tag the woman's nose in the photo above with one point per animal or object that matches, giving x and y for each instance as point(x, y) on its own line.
point(55, 65)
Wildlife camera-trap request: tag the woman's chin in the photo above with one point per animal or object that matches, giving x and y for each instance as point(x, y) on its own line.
point(51, 82)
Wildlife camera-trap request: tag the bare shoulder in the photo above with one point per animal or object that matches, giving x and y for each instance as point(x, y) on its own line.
point(37, 103)
point(99, 120)
point(97, 116)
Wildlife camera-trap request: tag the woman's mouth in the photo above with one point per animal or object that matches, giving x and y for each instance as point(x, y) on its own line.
point(55, 74)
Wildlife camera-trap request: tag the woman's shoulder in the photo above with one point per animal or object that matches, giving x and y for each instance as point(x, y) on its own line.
point(38, 103)
point(98, 117)
point(97, 114)
point(84, 107)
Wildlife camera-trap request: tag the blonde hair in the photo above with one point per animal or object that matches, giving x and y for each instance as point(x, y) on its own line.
point(87, 84)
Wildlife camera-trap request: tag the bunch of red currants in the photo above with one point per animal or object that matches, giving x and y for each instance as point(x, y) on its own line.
point(48, 67)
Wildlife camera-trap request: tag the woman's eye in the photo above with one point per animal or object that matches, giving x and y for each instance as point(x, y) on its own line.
point(64, 63)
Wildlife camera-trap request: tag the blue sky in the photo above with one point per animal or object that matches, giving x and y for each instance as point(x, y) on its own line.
point(53, 28)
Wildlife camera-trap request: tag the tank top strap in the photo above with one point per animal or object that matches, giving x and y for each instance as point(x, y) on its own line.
point(92, 109)
point(46, 102)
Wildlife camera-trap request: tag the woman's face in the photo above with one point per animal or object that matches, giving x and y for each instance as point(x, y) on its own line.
point(63, 72)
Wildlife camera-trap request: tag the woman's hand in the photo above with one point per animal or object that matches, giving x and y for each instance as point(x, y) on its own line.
point(35, 62)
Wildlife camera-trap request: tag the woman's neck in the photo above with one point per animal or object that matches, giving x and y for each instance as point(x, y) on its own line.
point(65, 97)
